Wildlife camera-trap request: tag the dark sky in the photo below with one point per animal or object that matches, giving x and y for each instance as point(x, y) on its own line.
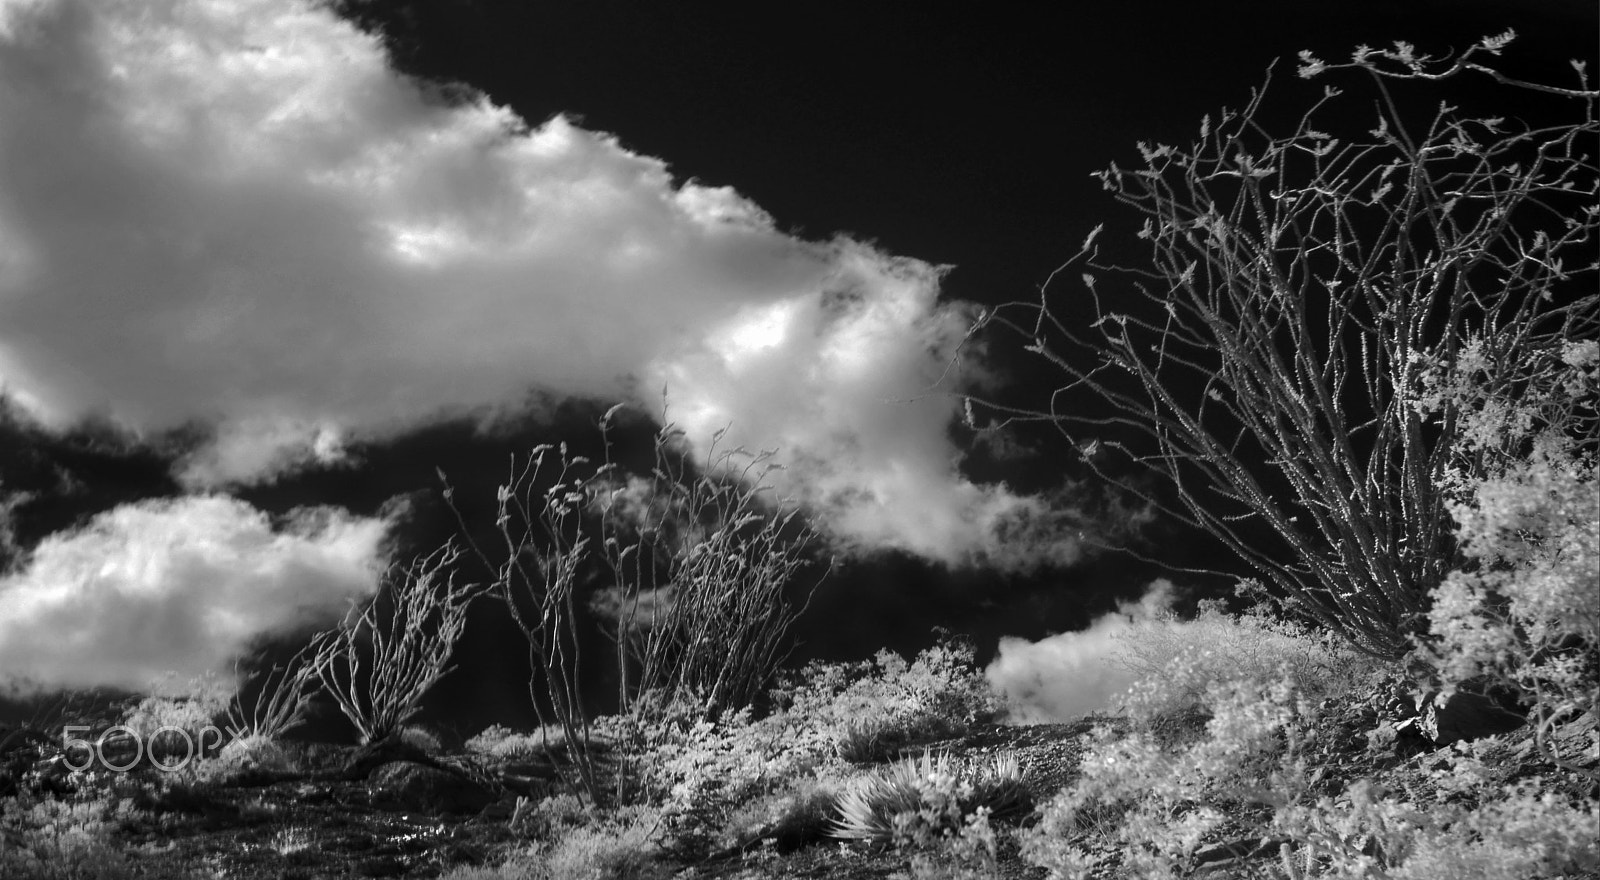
point(960, 138)
point(959, 135)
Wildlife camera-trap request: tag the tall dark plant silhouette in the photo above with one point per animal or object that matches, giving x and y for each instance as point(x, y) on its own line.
point(1265, 359)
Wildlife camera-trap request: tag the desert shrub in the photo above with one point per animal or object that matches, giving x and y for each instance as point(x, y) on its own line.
point(623, 847)
point(381, 661)
point(548, 817)
point(1520, 834)
point(969, 852)
point(268, 703)
point(421, 738)
point(1447, 508)
point(1261, 360)
point(1259, 772)
point(63, 839)
point(699, 555)
point(697, 770)
point(1149, 805)
point(939, 809)
point(499, 741)
point(701, 771)
point(1179, 662)
point(526, 864)
point(869, 740)
point(1525, 495)
point(292, 840)
point(1526, 833)
point(621, 844)
point(866, 712)
point(152, 796)
point(378, 663)
point(795, 814)
point(189, 712)
point(180, 720)
point(239, 757)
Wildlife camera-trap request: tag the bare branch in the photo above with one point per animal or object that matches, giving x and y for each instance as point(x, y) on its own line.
point(1265, 359)
point(380, 662)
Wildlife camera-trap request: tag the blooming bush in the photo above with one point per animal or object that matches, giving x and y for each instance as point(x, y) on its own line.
point(704, 774)
point(1149, 806)
point(178, 720)
point(622, 844)
point(1523, 832)
point(1270, 768)
point(1431, 495)
point(240, 757)
point(865, 712)
point(1178, 662)
point(797, 813)
point(499, 741)
point(1521, 613)
point(695, 769)
point(61, 839)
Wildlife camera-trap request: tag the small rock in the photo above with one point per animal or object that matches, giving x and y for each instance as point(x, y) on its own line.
point(408, 786)
point(382, 866)
point(1574, 740)
point(1465, 715)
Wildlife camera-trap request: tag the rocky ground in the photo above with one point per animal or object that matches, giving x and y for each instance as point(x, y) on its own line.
point(404, 811)
point(400, 811)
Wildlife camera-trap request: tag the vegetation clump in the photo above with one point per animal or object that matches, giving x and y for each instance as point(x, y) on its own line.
point(925, 797)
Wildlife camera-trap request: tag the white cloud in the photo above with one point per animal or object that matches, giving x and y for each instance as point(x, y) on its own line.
point(235, 213)
point(183, 586)
point(840, 378)
point(1066, 676)
point(247, 449)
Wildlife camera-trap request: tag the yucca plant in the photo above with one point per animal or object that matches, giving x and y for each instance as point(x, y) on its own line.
point(933, 794)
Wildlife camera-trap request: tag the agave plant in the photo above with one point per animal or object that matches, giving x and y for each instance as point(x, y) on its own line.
point(935, 792)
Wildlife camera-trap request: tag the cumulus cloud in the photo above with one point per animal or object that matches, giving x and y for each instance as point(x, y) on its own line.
point(247, 449)
point(236, 214)
point(1066, 676)
point(837, 378)
point(181, 586)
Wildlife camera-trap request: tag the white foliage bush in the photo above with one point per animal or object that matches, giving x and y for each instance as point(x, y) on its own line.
point(701, 773)
point(1522, 613)
point(181, 717)
point(63, 839)
point(1519, 613)
point(503, 743)
point(697, 770)
point(1524, 832)
point(1149, 806)
point(1148, 809)
point(1179, 662)
point(866, 711)
point(623, 844)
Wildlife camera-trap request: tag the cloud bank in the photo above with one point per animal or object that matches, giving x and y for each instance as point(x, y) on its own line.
point(236, 214)
point(181, 586)
point(1064, 677)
